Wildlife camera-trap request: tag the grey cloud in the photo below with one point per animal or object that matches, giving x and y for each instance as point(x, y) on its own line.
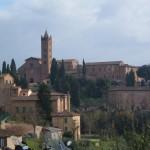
point(97, 30)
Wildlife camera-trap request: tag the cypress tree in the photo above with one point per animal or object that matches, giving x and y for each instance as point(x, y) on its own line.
point(23, 83)
point(54, 71)
point(130, 78)
point(13, 67)
point(60, 80)
point(84, 69)
point(62, 70)
point(4, 68)
point(44, 95)
point(8, 68)
point(75, 93)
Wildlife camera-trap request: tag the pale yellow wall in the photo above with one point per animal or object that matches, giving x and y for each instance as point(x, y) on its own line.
point(6, 79)
point(60, 103)
point(12, 141)
point(73, 124)
point(29, 106)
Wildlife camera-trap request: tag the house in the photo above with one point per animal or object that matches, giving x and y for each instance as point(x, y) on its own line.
point(51, 133)
point(68, 122)
point(24, 105)
point(9, 138)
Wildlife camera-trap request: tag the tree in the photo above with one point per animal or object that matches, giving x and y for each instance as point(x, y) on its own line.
point(75, 93)
point(4, 68)
point(60, 82)
point(44, 96)
point(13, 72)
point(54, 71)
point(13, 67)
point(130, 79)
point(8, 68)
point(84, 69)
point(62, 70)
point(144, 72)
point(23, 82)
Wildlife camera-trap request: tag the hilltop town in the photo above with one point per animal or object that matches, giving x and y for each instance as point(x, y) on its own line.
point(51, 98)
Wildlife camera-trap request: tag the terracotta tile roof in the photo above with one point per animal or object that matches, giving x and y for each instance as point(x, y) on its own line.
point(8, 133)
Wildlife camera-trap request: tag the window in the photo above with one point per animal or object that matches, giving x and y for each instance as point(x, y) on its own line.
point(17, 109)
point(2, 143)
point(45, 56)
point(65, 120)
point(31, 65)
point(66, 129)
point(31, 80)
point(23, 109)
point(30, 110)
point(6, 81)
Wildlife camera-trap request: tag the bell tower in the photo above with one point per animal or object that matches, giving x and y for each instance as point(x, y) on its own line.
point(46, 55)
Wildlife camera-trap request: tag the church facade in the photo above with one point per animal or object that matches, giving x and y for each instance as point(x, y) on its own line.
point(38, 69)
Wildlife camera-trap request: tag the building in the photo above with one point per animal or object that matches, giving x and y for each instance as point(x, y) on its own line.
point(6, 82)
point(129, 98)
point(70, 122)
point(51, 133)
point(9, 139)
point(113, 70)
point(71, 66)
point(37, 69)
point(23, 104)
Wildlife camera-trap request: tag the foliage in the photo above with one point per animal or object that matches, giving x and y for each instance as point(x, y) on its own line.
point(109, 123)
point(8, 68)
point(23, 83)
point(122, 122)
point(33, 143)
point(85, 145)
point(68, 134)
point(45, 102)
point(94, 89)
point(61, 72)
point(75, 93)
point(54, 71)
point(137, 141)
point(144, 72)
point(84, 69)
point(4, 68)
point(13, 67)
point(130, 79)
point(79, 88)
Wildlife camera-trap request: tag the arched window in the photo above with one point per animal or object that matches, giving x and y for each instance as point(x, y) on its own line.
point(31, 80)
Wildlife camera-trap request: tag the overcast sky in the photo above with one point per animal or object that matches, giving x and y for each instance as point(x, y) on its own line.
point(96, 30)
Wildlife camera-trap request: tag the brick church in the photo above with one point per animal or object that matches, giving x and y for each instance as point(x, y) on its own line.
point(38, 69)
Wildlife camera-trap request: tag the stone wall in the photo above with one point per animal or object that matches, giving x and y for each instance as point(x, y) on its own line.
point(129, 98)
